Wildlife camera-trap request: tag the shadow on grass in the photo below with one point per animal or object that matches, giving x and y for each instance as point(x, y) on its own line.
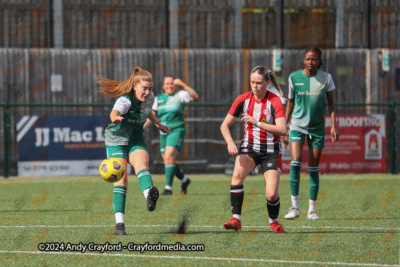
point(218, 232)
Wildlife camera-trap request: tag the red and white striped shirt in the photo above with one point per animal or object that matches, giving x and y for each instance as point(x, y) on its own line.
point(266, 111)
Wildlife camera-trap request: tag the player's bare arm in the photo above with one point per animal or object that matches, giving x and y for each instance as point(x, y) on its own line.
point(161, 127)
point(148, 121)
point(278, 129)
point(116, 117)
point(193, 94)
point(332, 113)
point(226, 133)
point(289, 110)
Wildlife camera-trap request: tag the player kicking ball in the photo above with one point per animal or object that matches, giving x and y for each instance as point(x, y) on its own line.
point(264, 121)
point(124, 137)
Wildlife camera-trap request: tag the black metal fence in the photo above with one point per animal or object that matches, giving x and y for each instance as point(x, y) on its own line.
point(204, 149)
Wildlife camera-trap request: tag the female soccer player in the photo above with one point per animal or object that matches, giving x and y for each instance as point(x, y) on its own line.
point(169, 107)
point(307, 90)
point(264, 119)
point(124, 136)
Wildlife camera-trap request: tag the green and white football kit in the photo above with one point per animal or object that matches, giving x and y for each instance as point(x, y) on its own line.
point(308, 122)
point(170, 109)
point(121, 140)
point(308, 119)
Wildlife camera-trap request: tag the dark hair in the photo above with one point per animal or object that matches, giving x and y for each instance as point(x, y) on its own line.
point(169, 76)
point(317, 51)
point(268, 75)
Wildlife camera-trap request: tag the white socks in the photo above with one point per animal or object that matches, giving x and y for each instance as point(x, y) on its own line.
point(237, 216)
point(273, 220)
point(168, 187)
point(313, 205)
point(295, 201)
point(119, 217)
point(146, 192)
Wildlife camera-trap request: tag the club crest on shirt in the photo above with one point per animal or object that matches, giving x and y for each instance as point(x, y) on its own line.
point(266, 112)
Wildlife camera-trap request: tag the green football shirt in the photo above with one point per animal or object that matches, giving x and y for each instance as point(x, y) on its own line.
point(135, 114)
point(309, 93)
point(170, 108)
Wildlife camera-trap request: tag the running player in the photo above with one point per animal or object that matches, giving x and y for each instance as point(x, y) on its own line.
point(307, 90)
point(124, 136)
point(169, 107)
point(264, 119)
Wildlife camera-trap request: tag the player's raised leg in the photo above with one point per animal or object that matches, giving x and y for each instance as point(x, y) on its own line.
point(273, 202)
point(139, 159)
point(243, 166)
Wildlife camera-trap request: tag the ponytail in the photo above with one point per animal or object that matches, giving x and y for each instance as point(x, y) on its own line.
point(118, 88)
point(269, 75)
point(275, 83)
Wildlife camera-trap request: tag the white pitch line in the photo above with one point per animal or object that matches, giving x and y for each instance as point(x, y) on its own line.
point(194, 258)
point(366, 179)
point(197, 226)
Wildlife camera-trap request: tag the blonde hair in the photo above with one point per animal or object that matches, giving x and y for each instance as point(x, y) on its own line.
point(118, 88)
point(268, 75)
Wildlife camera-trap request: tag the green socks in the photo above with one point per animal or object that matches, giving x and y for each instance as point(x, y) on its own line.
point(119, 198)
point(119, 192)
point(314, 182)
point(295, 167)
point(178, 172)
point(145, 180)
point(169, 174)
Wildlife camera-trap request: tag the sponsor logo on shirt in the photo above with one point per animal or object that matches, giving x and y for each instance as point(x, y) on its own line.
point(299, 84)
point(309, 93)
point(137, 121)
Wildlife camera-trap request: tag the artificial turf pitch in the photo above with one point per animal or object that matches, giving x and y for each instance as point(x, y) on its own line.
point(359, 225)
